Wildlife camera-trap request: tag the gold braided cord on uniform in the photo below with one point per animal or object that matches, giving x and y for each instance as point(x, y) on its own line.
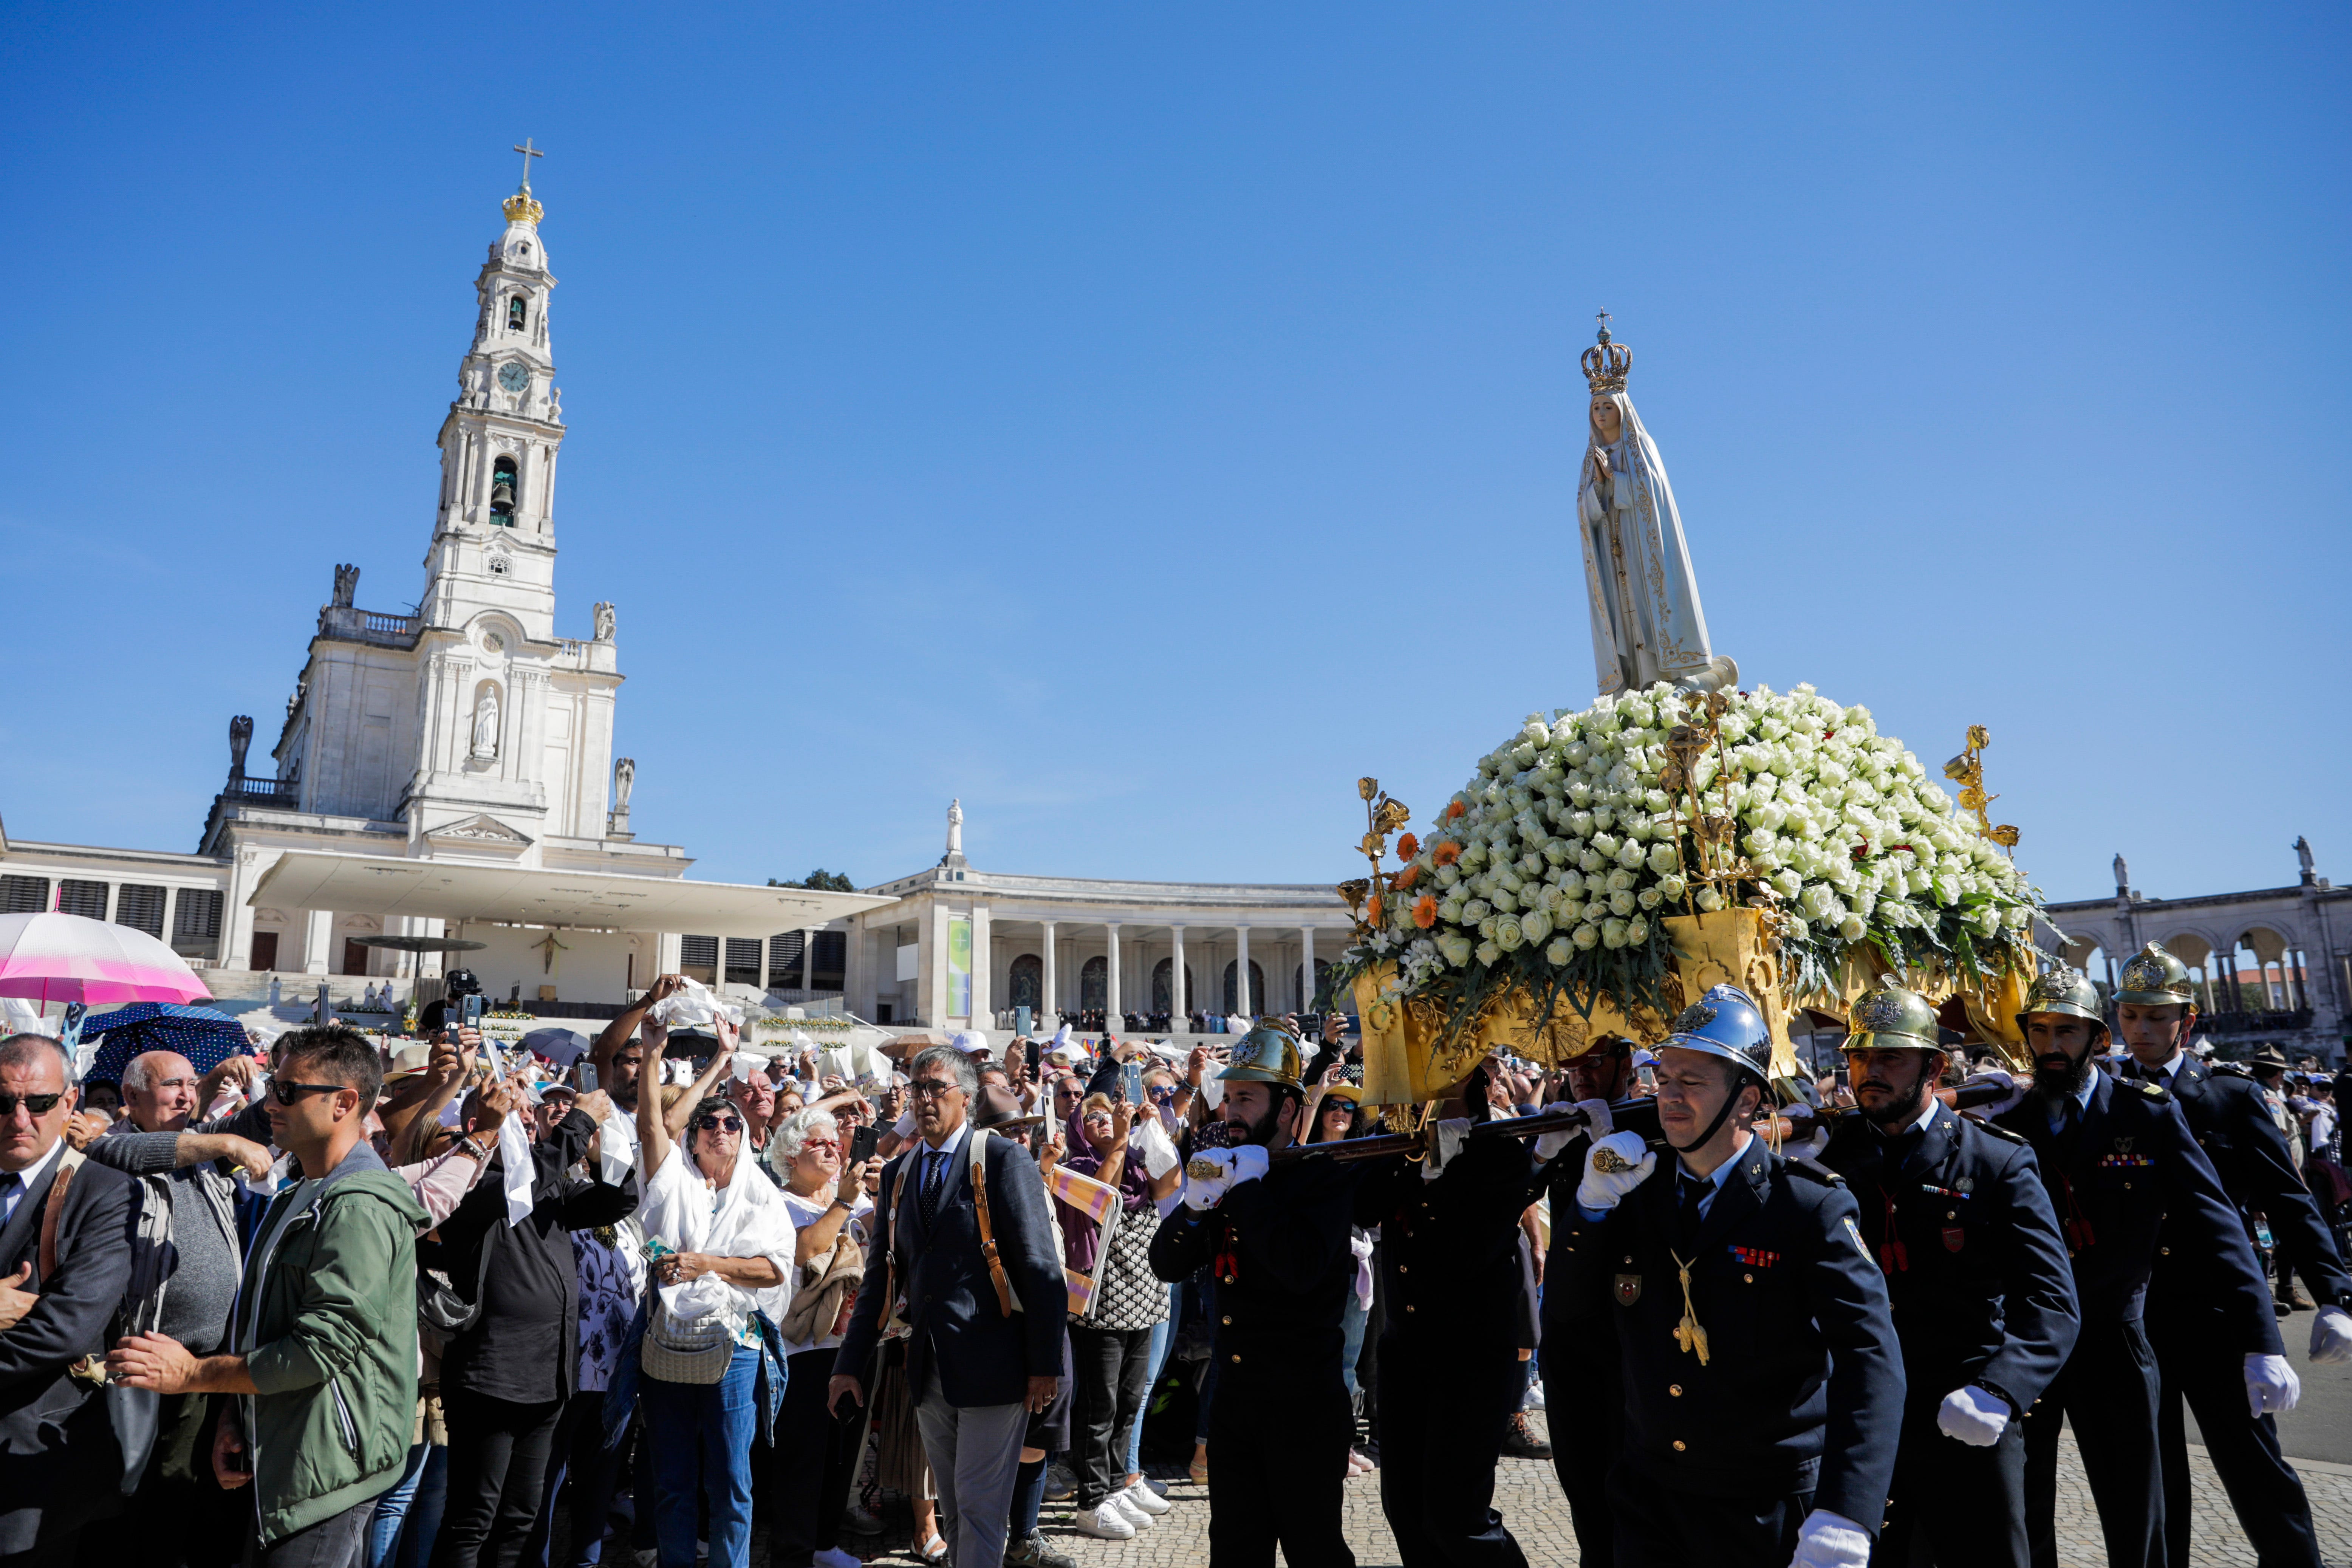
point(1688, 1333)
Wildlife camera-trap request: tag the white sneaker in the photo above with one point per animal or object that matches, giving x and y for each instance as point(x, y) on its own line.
point(1130, 1509)
point(1141, 1495)
point(835, 1557)
point(1108, 1523)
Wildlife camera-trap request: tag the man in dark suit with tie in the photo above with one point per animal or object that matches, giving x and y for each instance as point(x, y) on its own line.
point(972, 1272)
point(60, 1466)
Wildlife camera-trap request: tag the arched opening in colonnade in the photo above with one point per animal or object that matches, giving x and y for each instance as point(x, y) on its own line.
point(1257, 990)
point(1162, 974)
point(1026, 984)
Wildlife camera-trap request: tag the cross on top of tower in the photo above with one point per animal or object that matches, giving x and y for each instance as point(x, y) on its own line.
point(529, 153)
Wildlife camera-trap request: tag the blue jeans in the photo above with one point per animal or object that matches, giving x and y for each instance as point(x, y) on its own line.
point(423, 1526)
point(392, 1507)
point(701, 1440)
point(1155, 1356)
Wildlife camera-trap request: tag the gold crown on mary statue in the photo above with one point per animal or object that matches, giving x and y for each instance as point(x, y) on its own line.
point(1607, 362)
point(2156, 979)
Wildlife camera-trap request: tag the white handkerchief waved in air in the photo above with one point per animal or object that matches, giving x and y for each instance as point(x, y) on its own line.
point(616, 1149)
point(514, 1154)
point(695, 1007)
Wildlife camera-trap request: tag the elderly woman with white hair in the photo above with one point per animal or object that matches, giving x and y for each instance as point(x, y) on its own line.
point(725, 1260)
point(825, 1196)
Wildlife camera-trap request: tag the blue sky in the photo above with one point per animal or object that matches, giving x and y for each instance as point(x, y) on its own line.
point(1141, 420)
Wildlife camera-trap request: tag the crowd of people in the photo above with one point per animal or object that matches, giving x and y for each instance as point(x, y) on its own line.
point(422, 1304)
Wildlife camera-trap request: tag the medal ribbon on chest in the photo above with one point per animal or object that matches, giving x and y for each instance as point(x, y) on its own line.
point(1688, 1335)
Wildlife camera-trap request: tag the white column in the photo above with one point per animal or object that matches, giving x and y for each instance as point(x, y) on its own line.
point(808, 961)
point(318, 931)
point(1110, 981)
point(1176, 997)
point(1051, 1000)
point(1305, 967)
point(983, 989)
point(763, 961)
point(1246, 1007)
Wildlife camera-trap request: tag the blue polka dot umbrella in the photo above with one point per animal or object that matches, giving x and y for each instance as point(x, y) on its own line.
point(206, 1036)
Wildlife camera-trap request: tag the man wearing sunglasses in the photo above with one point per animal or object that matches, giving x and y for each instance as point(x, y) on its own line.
point(59, 1464)
point(323, 1344)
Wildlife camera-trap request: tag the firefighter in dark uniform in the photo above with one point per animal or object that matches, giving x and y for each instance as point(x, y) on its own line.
point(2196, 1359)
point(2118, 1161)
point(1451, 1374)
point(1276, 1237)
point(1954, 1212)
point(1762, 1387)
point(1580, 1365)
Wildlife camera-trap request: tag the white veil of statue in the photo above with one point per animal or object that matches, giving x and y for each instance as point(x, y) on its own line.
point(1647, 625)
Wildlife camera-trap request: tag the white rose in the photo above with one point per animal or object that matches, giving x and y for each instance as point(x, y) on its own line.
point(1637, 932)
point(1450, 911)
point(1455, 947)
point(1591, 860)
point(1613, 933)
point(1476, 911)
point(1632, 856)
point(1508, 933)
point(1487, 953)
point(1448, 875)
point(1559, 952)
point(1852, 927)
point(1619, 882)
point(1505, 900)
point(1622, 903)
point(1586, 936)
point(2017, 917)
point(1486, 927)
point(1672, 886)
point(1535, 925)
point(1709, 900)
point(1569, 914)
point(1647, 898)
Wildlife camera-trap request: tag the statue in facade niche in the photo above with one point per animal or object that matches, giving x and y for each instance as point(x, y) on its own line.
point(240, 736)
point(625, 779)
point(347, 587)
point(486, 723)
point(604, 622)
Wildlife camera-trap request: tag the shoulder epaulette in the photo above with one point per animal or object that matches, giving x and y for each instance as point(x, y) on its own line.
point(2231, 1070)
point(1804, 1165)
point(1996, 1130)
point(2154, 1092)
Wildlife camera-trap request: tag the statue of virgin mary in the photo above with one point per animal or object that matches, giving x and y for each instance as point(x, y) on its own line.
point(1647, 626)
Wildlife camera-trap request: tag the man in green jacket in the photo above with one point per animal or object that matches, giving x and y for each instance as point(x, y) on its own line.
point(325, 1338)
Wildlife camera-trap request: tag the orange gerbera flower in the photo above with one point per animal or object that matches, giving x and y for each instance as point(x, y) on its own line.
point(1405, 878)
point(1372, 910)
point(1408, 846)
point(1447, 853)
point(1424, 913)
point(1453, 809)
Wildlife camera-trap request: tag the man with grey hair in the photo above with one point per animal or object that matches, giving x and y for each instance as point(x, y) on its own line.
point(968, 1253)
point(60, 1466)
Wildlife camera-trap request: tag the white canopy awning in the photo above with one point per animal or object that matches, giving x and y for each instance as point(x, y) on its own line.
point(514, 895)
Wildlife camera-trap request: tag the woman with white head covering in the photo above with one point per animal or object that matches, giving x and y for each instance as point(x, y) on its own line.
point(1647, 626)
point(726, 1260)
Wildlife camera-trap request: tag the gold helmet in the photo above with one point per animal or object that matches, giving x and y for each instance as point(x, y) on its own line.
point(2066, 991)
point(1892, 1018)
point(2156, 979)
point(1268, 1054)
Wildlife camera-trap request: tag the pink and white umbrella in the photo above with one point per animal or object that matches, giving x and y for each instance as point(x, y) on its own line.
point(53, 957)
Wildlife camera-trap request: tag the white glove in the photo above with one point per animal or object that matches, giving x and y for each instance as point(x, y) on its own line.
point(1248, 1164)
point(2331, 1336)
point(1443, 1146)
point(1606, 1189)
point(1830, 1540)
point(2272, 1387)
point(1972, 1415)
point(2014, 1084)
point(903, 1128)
point(1597, 1125)
point(1206, 1176)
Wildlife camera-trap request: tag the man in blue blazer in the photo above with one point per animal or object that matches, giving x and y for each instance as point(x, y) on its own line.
point(985, 1334)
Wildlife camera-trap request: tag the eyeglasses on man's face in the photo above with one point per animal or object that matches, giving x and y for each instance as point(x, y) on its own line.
point(932, 1088)
point(288, 1093)
point(39, 1104)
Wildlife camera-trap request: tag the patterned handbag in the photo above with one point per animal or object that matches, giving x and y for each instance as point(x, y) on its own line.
point(685, 1350)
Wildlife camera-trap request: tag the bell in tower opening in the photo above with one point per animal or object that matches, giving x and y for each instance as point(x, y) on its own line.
point(502, 492)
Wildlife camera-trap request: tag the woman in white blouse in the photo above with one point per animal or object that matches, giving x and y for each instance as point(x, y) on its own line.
point(723, 1257)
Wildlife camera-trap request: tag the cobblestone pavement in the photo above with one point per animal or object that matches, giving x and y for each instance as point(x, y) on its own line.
point(1529, 1500)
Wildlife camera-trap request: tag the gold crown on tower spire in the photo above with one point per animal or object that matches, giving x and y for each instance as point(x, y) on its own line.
point(523, 207)
point(1607, 362)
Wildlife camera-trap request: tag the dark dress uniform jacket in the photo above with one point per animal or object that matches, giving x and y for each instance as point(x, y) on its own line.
point(982, 1356)
point(1449, 1248)
point(1977, 1271)
point(2129, 1169)
point(1803, 1388)
point(2231, 1121)
point(1287, 1233)
point(59, 1463)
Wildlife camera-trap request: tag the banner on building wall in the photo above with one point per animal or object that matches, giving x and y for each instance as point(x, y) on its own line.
point(959, 966)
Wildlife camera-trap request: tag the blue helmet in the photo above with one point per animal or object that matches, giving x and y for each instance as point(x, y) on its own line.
point(1728, 1025)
